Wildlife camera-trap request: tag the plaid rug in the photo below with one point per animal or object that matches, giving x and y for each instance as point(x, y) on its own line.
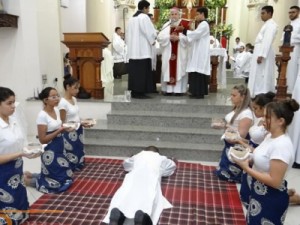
point(197, 195)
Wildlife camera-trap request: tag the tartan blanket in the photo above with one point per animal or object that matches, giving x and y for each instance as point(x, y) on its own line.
point(198, 197)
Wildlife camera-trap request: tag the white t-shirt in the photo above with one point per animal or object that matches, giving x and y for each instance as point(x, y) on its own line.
point(11, 137)
point(280, 148)
point(72, 111)
point(52, 124)
point(247, 113)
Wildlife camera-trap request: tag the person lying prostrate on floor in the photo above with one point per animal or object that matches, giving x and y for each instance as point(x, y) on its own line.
point(240, 119)
point(13, 195)
point(269, 198)
point(56, 173)
point(140, 197)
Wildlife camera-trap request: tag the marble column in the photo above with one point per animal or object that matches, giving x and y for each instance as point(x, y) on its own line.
point(100, 17)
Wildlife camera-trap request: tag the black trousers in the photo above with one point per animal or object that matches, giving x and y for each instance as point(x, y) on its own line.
point(119, 69)
point(198, 84)
point(140, 77)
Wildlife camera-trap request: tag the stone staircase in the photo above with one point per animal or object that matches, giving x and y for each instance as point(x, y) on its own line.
point(178, 126)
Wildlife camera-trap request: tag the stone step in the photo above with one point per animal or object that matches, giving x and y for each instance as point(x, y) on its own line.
point(125, 148)
point(232, 80)
point(162, 119)
point(168, 105)
point(151, 133)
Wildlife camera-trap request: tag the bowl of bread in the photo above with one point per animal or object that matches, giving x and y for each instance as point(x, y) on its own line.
point(89, 122)
point(231, 134)
point(239, 152)
point(71, 125)
point(33, 148)
point(218, 123)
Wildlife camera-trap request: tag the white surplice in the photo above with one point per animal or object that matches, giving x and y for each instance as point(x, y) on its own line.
point(262, 76)
point(199, 49)
point(118, 49)
point(141, 188)
point(293, 66)
point(140, 36)
point(242, 64)
point(294, 129)
point(166, 50)
point(107, 66)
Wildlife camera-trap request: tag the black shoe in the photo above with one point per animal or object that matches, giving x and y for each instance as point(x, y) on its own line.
point(135, 95)
point(116, 217)
point(167, 94)
point(144, 97)
point(141, 218)
point(197, 97)
point(296, 165)
point(178, 94)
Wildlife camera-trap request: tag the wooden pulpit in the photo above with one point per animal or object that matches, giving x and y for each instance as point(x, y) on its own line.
point(85, 55)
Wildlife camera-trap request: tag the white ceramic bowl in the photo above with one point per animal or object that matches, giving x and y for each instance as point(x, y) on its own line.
point(33, 148)
point(231, 135)
point(90, 121)
point(72, 125)
point(239, 152)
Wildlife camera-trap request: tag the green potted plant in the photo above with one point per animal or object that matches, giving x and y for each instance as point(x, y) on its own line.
point(163, 6)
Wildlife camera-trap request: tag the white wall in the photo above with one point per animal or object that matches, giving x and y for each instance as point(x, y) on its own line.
point(73, 19)
point(103, 17)
point(35, 48)
point(31, 49)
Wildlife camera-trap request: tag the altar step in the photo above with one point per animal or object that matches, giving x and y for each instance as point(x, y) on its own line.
point(180, 130)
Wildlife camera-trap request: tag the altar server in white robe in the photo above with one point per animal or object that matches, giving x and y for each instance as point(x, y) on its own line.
point(241, 62)
point(198, 65)
point(237, 45)
point(294, 129)
point(173, 45)
point(292, 68)
point(214, 42)
point(119, 50)
point(141, 188)
point(262, 72)
point(140, 36)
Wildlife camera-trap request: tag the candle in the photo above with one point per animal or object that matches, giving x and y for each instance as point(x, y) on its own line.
point(217, 15)
point(222, 14)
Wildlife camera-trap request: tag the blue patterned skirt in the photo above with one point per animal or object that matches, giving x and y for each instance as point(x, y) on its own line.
point(267, 205)
point(74, 148)
point(13, 195)
point(228, 170)
point(246, 184)
point(56, 173)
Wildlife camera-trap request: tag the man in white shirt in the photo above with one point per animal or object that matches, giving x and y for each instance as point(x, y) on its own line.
point(214, 42)
point(140, 36)
point(237, 45)
point(173, 45)
point(238, 60)
point(198, 65)
point(262, 72)
point(119, 54)
point(293, 63)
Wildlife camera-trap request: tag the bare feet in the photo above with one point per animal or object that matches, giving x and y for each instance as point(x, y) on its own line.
point(28, 174)
point(27, 178)
point(295, 199)
point(291, 192)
